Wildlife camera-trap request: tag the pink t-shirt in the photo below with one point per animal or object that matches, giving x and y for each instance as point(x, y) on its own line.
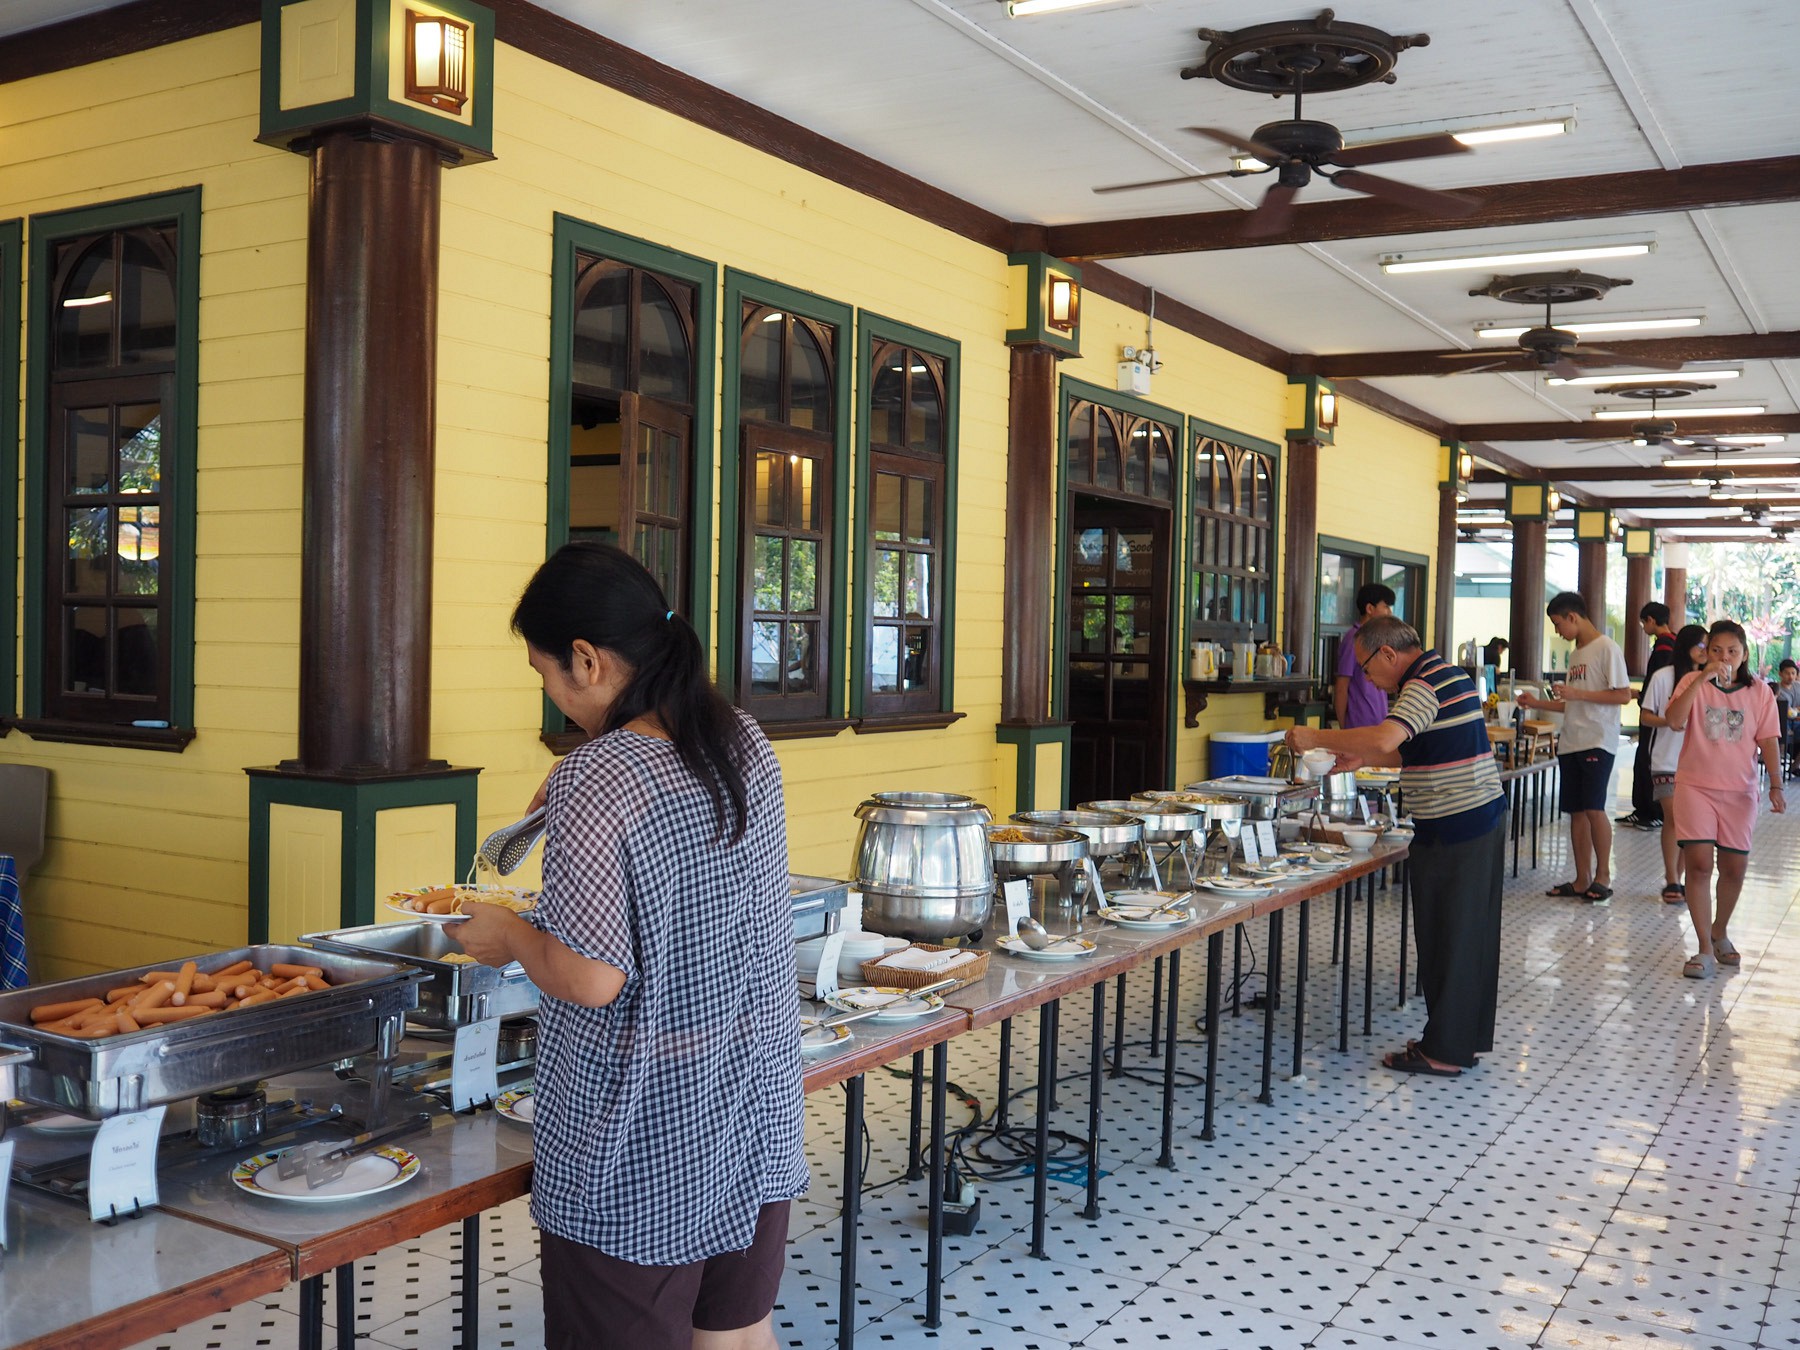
point(1723, 727)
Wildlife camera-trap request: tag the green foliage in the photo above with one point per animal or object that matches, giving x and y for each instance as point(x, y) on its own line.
point(1758, 585)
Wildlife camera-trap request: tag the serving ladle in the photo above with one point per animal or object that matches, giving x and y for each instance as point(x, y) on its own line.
point(1035, 936)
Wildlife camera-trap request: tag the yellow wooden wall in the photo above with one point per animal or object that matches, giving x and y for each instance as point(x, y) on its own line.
point(1378, 484)
point(147, 850)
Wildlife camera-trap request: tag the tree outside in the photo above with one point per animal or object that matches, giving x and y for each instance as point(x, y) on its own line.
point(1757, 585)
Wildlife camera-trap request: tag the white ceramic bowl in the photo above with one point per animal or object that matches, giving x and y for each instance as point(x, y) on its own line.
point(1361, 840)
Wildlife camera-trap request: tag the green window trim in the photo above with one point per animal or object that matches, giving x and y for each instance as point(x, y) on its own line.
point(12, 243)
point(741, 287)
point(180, 208)
point(1199, 429)
point(572, 236)
point(1379, 556)
point(1072, 391)
point(871, 330)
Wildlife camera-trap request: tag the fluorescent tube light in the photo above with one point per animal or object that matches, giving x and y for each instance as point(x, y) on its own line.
point(83, 301)
point(1518, 131)
point(1684, 412)
point(1735, 462)
point(1649, 377)
point(1597, 326)
point(1024, 9)
point(1749, 440)
point(1447, 260)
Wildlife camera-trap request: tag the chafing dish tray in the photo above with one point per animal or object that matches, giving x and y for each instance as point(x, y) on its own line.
point(817, 902)
point(363, 1011)
point(454, 993)
point(1268, 797)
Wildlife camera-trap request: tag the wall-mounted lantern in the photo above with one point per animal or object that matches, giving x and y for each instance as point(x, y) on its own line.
point(1312, 409)
point(1640, 541)
point(437, 60)
point(1593, 524)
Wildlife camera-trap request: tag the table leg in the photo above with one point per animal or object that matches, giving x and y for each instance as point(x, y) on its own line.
point(1215, 958)
point(1368, 955)
point(1518, 786)
point(1040, 1171)
point(1237, 969)
point(1003, 1109)
point(1347, 910)
point(1301, 960)
point(1337, 923)
point(471, 1284)
point(1118, 1064)
point(934, 1223)
point(1405, 918)
point(312, 1312)
point(1168, 1104)
point(915, 1147)
point(343, 1281)
point(1156, 998)
point(1540, 792)
point(1096, 1055)
point(1271, 996)
point(853, 1119)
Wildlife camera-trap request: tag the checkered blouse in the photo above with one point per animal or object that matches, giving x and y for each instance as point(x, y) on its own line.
point(668, 1118)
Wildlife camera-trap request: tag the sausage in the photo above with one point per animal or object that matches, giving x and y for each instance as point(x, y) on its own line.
point(212, 998)
point(444, 904)
point(235, 968)
point(184, 983)
point(57, 1012)
point(126, 1022)
point(153, 997)
point(426, 901)
point(316, 982)
point(151, 1016)
point(288, 972)
point(260, 996)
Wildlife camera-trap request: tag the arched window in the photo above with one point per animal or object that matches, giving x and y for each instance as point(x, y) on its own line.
point(1121, 453)
point(1231, 542)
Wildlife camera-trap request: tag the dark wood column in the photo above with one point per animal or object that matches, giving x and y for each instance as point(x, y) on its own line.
point(1030, 535)
point(371, 371)
point(1443, 605)
point(1675, 561)
point(1590, 559)
point(1300, 560)
point(1637, 595)
point(1526, 634)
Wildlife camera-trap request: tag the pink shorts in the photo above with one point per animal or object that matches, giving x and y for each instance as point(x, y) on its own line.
point(1711, 816)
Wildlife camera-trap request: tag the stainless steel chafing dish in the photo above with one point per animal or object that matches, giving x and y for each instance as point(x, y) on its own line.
point(364, 1011)
point(1044, 851)
point(455, 993)
point(817, 902)
point(1166, 821)
point(1109, 833)
point(1264, 798)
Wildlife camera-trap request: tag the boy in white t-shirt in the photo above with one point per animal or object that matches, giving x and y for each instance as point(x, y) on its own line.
point(1590, 700)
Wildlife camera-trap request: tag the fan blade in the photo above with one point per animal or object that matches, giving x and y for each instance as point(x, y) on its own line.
point(1512, 353)
point(1476, 370)
point(1622, 358)
point(1185, 178)
point(1407, 194)
point(1565, 369)
point(1272, 213)
point(1268, 154)
point(1411, 147)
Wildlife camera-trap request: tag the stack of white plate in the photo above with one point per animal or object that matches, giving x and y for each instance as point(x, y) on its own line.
point(858, 947)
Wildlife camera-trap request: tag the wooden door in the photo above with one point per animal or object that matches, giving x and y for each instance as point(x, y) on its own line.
point(1116, 634)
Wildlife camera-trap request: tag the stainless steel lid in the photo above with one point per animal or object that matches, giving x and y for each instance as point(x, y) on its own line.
point(947, 810)
point(1108, 832)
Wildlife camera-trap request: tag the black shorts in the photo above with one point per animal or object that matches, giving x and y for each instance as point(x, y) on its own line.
point(593, 1300)
point(1586, 775)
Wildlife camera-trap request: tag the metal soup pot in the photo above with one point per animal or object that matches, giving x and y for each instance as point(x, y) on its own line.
point(923, 865)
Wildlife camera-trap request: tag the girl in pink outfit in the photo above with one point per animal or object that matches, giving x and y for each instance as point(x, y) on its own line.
point(1726, 714)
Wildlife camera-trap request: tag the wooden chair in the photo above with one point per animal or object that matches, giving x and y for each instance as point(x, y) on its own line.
point(1537, 740)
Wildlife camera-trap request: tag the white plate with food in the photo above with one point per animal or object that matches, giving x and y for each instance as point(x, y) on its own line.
point(518, 1104)
point(1063, 949)
point(369, 1173)
point(1239, 887)
point(894, 1005)
point(443, 904)
point(815, 1035)
point(1145, 916)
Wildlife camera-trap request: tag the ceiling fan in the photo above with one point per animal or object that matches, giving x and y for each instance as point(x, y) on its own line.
point(1555, 351)
point(1288, 58)
point(1661, 432)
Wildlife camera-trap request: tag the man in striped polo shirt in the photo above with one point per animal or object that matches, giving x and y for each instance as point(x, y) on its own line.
point(1435, 733)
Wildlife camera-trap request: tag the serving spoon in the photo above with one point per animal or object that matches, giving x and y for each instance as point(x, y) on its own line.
point(1035, 936)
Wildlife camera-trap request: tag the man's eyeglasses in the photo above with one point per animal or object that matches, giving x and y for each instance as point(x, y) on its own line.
point(1363, 665)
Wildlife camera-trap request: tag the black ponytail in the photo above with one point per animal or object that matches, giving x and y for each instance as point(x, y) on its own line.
point(604, 596)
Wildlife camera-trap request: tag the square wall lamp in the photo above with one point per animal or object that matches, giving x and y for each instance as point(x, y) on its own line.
point(1045, 303)
point(1312, 409)
point(1456, 465)
point(1529, 500)
point(437, 60)
point(1640, 542)
point(1592, 524)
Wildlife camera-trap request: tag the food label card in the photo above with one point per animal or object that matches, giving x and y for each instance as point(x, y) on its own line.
point(475, 1064)
point(1252, 854)
point(1265, 837)
point(122, 1168)
point(6, 1152)
point(825, 983)
point(1018, 903)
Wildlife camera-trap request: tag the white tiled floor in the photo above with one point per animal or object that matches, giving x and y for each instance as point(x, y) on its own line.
point(1621, 1173)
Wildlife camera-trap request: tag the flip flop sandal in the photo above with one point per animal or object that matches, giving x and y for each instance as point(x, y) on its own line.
point(1567, 890)
point(1412, 1060)
point(1675, 893)
point(1699, 967)
point(1726, 953)
point(1597, 894)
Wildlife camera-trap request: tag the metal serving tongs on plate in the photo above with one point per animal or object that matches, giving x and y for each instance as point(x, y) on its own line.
point(510, 845)
point(910, 996)
point(324, 1163)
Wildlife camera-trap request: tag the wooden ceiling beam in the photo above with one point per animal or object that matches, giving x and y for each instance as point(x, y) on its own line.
point(1718, 347)
point(1783, 424)
point(1638, 192)
point(1653, 473)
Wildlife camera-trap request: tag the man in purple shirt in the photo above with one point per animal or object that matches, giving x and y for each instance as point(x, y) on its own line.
point(1359, 703)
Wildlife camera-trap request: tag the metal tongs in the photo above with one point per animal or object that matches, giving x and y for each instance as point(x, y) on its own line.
point(510, 845)
point(324, 1163)
point(911, 996)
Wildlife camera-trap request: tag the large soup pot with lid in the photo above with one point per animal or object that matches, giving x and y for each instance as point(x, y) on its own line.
point(922, 864)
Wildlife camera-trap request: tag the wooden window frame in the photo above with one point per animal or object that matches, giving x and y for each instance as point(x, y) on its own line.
point(1258, 570)
point(933, 706)
point(167, 724)
point(1329, 636)
point(12, 278)
point(735, 600)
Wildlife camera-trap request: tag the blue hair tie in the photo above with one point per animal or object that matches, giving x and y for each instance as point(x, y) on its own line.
point(668, 616)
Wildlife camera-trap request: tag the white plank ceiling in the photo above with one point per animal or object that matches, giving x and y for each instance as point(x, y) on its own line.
point(1025, 116)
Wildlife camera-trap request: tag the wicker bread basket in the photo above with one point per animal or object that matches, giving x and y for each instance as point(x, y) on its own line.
point(876, 973)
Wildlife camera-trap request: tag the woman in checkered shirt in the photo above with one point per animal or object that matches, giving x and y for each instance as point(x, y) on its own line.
point(669, 1101)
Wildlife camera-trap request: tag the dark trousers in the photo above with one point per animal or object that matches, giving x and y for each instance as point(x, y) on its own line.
point(1456, 914)
point(1643, 804)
